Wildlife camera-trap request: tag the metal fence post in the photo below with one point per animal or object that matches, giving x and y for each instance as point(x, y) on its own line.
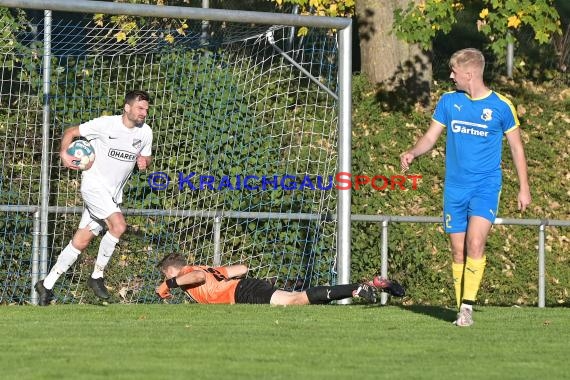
point(510, 59)
point(541, 267)
point(45, 170)
point(35, 256)
point(384, 259)
point(205, 25)
point(217, 241)
point(344, 154)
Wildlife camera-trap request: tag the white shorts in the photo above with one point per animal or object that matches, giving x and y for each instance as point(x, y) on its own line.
point(99, 205)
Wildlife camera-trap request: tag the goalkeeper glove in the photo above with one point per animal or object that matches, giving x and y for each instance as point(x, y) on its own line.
point(163, 290)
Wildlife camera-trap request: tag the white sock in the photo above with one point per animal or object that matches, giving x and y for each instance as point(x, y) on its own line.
point(65, 260)
point(106, 249)
point(466, 306)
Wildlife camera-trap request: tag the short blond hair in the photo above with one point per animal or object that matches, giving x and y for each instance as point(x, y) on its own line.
point(468, 57)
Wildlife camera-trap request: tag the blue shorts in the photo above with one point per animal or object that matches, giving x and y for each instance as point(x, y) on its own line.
point(459, 204)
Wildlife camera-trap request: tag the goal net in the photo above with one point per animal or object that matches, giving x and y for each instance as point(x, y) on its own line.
point(244, 121)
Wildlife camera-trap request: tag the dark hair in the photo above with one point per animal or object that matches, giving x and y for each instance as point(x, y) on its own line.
point(135, 95)
point(172, 260)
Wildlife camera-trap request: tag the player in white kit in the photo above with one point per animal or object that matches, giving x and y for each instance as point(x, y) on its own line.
point(120, 142)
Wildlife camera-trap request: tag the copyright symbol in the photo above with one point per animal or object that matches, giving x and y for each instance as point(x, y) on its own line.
point(158, 180)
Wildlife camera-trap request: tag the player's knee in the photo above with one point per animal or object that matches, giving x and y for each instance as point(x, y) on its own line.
point(283, 298)
point(118, 229)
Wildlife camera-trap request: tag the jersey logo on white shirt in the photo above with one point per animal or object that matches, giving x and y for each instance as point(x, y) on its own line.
point(112, 138)
point(137, 143)
point(122, 155)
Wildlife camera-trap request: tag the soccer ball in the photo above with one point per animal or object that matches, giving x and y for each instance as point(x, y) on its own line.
point(84, 153)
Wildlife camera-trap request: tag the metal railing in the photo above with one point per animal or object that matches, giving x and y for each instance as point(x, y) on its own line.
point(540, 223)
point(218, 216)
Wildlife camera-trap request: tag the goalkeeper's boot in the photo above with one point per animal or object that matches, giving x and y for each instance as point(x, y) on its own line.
point(390, 287)
point(98, 286)
point(366, 291)
point(464, 317)
point(45, 295)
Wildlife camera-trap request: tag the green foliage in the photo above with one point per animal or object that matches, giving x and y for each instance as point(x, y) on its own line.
point(499, 20)
point(19, 178)
point(420, 22)
point(540, 16)
point(332, 8)
point(127, 27)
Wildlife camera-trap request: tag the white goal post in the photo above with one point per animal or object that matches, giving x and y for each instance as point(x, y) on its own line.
point(251, 122)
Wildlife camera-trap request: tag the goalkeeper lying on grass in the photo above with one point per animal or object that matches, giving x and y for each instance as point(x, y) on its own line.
point(228, 285)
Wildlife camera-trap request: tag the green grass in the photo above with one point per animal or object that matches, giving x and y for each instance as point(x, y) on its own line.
point(262, 342)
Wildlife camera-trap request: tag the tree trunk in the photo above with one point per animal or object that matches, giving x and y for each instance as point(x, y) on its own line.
point(395, 65)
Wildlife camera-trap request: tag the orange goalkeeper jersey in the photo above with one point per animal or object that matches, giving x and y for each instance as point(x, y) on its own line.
point(217, 288)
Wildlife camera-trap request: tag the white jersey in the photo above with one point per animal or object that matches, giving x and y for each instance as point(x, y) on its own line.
point(116, 150)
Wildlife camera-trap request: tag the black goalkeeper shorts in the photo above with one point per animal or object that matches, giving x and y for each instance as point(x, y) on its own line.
point(254, 290)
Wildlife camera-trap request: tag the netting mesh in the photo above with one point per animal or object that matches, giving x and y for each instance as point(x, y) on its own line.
point(237, 128)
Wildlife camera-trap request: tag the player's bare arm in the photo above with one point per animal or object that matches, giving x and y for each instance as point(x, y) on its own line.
point(517, 152)
point(68, 136)
point(424, 144)
point(236, 271)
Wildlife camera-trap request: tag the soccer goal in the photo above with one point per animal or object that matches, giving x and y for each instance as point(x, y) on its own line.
point(251, 121)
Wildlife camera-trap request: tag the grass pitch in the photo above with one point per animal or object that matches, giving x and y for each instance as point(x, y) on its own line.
point(263, 342)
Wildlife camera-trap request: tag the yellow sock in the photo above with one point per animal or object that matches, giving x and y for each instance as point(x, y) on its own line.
point(457, 273)
point(472, 278)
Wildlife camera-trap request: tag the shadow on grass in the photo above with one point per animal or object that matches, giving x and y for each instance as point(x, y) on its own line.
point(438, 312)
